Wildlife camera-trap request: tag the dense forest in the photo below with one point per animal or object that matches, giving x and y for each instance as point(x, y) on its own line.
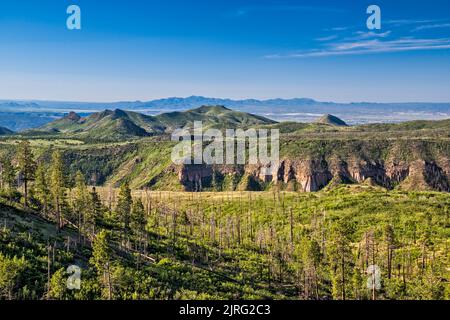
point(355, 241)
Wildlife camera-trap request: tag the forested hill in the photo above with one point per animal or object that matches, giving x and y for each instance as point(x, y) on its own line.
point(5, 131)
point(216, 246)
point(120, 124)
point(332, 120)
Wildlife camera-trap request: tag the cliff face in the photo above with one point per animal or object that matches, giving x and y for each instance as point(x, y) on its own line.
point(309, 175)
point(313, 175)
point(305, 166)
point(193, 177)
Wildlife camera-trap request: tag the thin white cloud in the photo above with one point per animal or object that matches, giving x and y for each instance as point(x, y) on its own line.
point(370, 42)
point(339, 28)
point(357, 35)
point(432, 26)
point(332, 37)
point(360, 35)
point(403, 22)
point(393, 23)
point(370, 47)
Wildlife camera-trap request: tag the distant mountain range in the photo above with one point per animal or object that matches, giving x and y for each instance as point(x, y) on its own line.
point(19, 115)
point(191, 102)
point(174, 102)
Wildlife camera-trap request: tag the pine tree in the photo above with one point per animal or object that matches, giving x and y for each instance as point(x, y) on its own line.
point(340, 258)
point(94, 213)
point(390, 246)
point(359, 285)
point(81, 202)
point(41, 187)
point(11, 270)
point(58, 285)
point(57, 187)
point(26, 166)
point(101, 260)
point(138, 220)
point(123, 209)
point(8, 174)
point(311, 258)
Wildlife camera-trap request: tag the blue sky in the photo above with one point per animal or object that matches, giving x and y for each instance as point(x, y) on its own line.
point(142, 50)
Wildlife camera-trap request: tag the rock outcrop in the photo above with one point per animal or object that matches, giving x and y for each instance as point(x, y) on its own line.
point(311, 175)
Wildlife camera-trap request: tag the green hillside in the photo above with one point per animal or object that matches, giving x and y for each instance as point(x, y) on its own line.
point(408, 126)
point(119, 124)
point(5, 131)
point(212, 116)
point(331, 120)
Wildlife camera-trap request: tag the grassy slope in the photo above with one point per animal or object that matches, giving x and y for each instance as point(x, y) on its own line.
point(408, 126)
point(239, 270)
point(172, 275)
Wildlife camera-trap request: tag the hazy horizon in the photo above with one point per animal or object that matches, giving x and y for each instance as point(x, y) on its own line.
point(21, 100)
point(19, 114)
